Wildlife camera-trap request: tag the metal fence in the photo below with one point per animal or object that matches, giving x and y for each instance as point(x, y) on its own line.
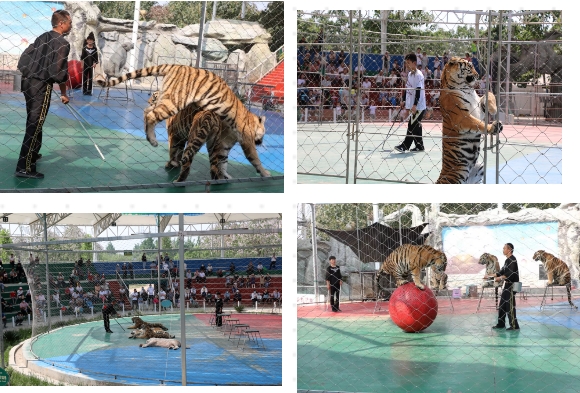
point(97, 142)
point(367, 344)
point(60, 288)
point(351, 78)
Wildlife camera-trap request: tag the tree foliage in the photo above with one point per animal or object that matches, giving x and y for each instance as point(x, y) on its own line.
point(5, 239)
point(121, 9)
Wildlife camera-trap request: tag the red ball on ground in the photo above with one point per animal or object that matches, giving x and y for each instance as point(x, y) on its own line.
point(411, 308)
point(75, 74)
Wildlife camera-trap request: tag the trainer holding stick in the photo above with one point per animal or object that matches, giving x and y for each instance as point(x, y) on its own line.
point(108, 309)
point(333, 283)
point(42, 64)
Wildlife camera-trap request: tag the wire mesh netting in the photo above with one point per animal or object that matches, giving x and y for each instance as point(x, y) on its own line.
point(222, 304)
point(97, 141)
point(499, 307)
point(353, 80)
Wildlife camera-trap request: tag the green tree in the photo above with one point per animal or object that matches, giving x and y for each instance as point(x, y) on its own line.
point(272, 19)
point(5, 239)
point(110, 247)
point(122, 9)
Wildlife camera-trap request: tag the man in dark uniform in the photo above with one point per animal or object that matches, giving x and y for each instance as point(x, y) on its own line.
point(219, 307)
point(108, 309)
point(507, 305)
point(333, 283)
point(48, 64)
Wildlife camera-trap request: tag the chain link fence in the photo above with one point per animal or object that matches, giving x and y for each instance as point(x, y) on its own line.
point(366, 344)
point(351, 79)
point(60, 289)
point(97, 142)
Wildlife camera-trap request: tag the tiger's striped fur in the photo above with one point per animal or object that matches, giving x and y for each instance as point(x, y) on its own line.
point(491, 267)
point(557, 270)
point(410, 259)
point(184, 86)
point(463, 111)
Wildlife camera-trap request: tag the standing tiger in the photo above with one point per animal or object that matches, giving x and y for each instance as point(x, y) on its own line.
point(463, 111)
point(557, 270)
point(196, 127)
point(491, 268)
point(408, 260)
point(184, 86)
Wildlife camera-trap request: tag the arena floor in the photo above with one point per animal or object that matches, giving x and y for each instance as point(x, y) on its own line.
point(527, 155)
point(85, 350)
point(71, 162)
point(360, 350)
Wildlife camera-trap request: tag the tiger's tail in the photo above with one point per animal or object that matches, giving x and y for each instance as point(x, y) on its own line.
point(159, 70)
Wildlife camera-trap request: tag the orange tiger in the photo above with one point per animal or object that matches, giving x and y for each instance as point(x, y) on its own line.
point(557, 270)
point(408, 260)
point(184, 86)
point(463, 111)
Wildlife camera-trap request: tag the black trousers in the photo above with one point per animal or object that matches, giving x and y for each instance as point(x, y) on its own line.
point(335, 297)
point(37, 95)
point(87, 80)
point(106, 321)
point(507, 306)
point(218, 319)
point(414, 131)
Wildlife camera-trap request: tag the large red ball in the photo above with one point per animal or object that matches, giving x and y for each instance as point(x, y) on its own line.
point(75, 74)
point(411, 308)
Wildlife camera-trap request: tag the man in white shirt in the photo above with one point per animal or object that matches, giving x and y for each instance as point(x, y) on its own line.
point(150, 293)
point(415, 102)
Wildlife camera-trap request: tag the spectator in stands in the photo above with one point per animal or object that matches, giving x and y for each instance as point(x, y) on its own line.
point(253, 281)
point(103, 295)
point(188, 278)
point(202, 277)
point(60, 280)
point(364, 101)
point(250, 269)
point(276, 296)
point(445, 59)
point(13, 261)
point(228, 281)
point(131, 270)
point(397, 67)
point(331, 58)
point(24, 308)
point(220, 273)
point(20, 317)
point(40, 301)
point(273, 262)
point(117, 271)
point(437, 76)
point(427, 73)
point(380, 80)
point(237, 296)
point(144, 259)
point(341, 58)
point(20, 293)
point(103, 280)
point(254, 297)
point(162, 295)
point(265, 296)
point(267, 280)
point(419, 56)
point(468, 57)
point(209, 269)
point(124, 270)
point(13, 276)
point(235, 285)
point(79, 288)
point(203, 291)
point(262, 281)
point(209, 297)
point(373, 110)
point(165, 269)
point(436, 62)
point(56, 299)
point(232, 268)
point(260, 268)
point(386, 63)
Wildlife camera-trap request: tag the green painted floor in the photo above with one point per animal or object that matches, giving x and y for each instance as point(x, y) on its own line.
point(71, 162)
point(458, 353)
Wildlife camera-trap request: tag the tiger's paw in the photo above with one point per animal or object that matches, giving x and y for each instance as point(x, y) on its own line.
point(153, 142)
point(264, 173)
point(171, 164)
point(496, 127)
point(420, 286)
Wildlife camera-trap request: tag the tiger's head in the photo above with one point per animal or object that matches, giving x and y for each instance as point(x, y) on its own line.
point(489, 260)
point(439, 261)
point(458, 73)
point(540, 255)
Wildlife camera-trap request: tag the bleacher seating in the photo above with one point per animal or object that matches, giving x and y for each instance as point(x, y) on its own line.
point(142, 277)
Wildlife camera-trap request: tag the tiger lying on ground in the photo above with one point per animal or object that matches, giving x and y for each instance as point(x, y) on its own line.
point(410, 259)
point(149, 332)
point(196, 127)
point(491, 267)
point(138, 323)
point(184, 86)
point(557, 270)
point(463, 111)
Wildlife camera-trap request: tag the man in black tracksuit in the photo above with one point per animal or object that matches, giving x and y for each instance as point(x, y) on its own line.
point(108, 309)
point(48, 64)
point(507, 305)
point(333, 283)
point(219, 307)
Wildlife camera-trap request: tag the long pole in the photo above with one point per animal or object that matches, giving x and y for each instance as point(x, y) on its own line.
point(159, 256)
point(201, 28)
point(47, 282)
point(182, 300)
point(314, 252)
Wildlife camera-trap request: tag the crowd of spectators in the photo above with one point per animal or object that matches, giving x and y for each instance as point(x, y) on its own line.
point(324, 76)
